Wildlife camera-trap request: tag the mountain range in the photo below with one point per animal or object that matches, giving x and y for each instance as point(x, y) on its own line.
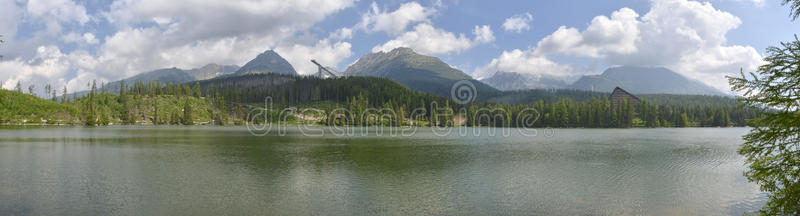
point(508, 81)
point(173, 75)
point(644, 80)
point(267, 62)
point(211, 71)
point(432, 75)
point(637, 80)
point(418, 72)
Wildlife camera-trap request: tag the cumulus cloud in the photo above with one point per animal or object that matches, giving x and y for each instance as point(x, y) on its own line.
point(152, 34)
point(483, 34)
point(342, 34)
point(427, 39)
point(325, 52)
point(688, 37)
point(87, 38)
point(62, 10)
point(518, 23)
point(10, 15)
point(54, 13)
point(394, 22)
point(525, 62)
point(49, 66)
point(617, 34)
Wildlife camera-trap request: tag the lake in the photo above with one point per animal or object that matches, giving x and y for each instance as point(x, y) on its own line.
point(228, 171)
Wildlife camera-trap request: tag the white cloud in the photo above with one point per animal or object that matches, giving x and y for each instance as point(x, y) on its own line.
point(394, 22)
point(152, 34)
point(54, 13)
point(87, 38)
point(686, 36)
point(220, 19)
point(711, 65)
point(526, 62)
point(90, 38)
point(49, 66)
point(342, 34)
point(518, 23)
point(324, 52)
point(617, 34)
point(427, 39)
point(758, 3)
point(483, 34)
point(690, 38)
point(62, 10)
point(10, 15)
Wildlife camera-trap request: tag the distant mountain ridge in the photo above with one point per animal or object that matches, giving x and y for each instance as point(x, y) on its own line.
point(507, 81)
point(170, 75)
point(644, 80)
point(267, 62)
point(416, 71)
point(211, 71)
point(166, 75)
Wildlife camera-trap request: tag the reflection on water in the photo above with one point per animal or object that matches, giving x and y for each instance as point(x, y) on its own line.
point(216, 171)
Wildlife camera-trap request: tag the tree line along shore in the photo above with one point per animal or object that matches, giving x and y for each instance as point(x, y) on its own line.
point(361, 101)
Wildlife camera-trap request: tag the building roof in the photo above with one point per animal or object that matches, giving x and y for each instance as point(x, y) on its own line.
point(626, 92)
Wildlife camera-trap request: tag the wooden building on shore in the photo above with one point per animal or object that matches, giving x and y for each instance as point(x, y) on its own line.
point(619, 94)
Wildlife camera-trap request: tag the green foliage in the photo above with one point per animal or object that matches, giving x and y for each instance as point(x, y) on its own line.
point(188, 117)
point(379, 101)
point(772, 148)
point(17, 108)
point(795, 8)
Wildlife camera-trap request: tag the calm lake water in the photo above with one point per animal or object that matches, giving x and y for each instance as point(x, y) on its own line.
point(227, 171)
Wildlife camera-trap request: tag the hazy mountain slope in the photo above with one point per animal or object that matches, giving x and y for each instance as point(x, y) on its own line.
point(644, 80)
point(287, 89)
point(167, 75)
point(418, 72)
point(506, 81)
point(267, 62)
point(211, 71)
point(553, 95)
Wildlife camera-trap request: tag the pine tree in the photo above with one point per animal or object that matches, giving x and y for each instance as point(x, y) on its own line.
point(187, 113)
point(64, 95)
point(155, 111)
point(125, 112)
point(771, 147)
point(47, 89)
point(55, 97)
point(90, 106)
point(196, 90)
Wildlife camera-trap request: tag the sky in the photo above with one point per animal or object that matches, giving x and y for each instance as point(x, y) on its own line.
point(72, 42)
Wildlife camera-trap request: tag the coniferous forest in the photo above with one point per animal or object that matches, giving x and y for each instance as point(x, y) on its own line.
point(362, 101)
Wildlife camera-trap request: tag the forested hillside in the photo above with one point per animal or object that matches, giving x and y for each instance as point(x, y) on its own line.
point(17, 108)
point(364, 101)
point(553, 95)
point(132, 106)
